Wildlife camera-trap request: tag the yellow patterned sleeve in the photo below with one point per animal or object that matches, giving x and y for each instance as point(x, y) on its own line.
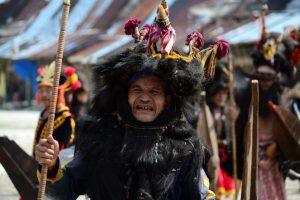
point(72, 136)
point(206, 193)
point(57, 175)
point(210, 195)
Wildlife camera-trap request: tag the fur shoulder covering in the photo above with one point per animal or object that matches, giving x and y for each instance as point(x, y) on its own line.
point(98, 138)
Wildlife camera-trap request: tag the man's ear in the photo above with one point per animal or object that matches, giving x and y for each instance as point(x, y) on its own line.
point(168, 101)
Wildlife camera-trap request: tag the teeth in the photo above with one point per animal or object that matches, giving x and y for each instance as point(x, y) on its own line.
point(145, 108)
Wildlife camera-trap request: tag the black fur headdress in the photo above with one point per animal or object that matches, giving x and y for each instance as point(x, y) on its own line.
point(183, 79)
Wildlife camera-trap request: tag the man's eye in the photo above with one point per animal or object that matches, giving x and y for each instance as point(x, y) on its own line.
point(136, 90)
point(155, 92)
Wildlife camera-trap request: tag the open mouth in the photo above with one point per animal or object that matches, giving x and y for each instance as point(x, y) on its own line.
point(144, 108)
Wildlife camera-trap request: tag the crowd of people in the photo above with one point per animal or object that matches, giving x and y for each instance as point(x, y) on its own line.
point(138, 138)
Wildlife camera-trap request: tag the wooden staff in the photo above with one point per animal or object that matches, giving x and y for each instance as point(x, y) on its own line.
point(58, 64)
point(206, 131)
point(251, 151)
point(232, 121)
point(264, 9)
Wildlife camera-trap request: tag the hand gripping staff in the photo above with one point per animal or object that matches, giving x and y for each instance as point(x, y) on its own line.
point(58, 64)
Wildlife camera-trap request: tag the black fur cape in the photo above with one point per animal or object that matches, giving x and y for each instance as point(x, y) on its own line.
point(148, 155)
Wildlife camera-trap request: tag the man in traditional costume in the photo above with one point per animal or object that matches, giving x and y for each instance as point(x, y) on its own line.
point(141, 143)
point(64, 124)
point(222, 113)
point(269, 62)
point(23, 175)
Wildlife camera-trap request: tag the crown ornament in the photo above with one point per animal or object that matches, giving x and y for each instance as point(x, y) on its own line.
point(160, 38)
point(46, 75)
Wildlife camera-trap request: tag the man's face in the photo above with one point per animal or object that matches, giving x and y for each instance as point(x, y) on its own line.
point(267, 77)
point(147, 99)
point(220, 98)
point(266, 84)
point(82, 97)
point(45, 95)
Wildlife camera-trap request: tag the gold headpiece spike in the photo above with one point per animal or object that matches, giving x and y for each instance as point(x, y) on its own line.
point(161, 13)
point(162, 17)
point(164, 4)
point(264, 8)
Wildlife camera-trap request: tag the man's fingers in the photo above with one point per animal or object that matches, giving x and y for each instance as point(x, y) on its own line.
point(49, 149)
point(43, 145)
point(46, 151)
point(51, 140)
point(43, 161)
point(44, 155)
point(49, 146)
point(43, 141)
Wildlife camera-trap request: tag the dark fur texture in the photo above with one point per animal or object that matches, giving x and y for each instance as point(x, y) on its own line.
point(109, 144)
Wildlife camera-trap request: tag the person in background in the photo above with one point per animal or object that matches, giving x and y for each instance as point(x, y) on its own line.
point(269, 61)
point(64, 124)
point(222, 113)
point(79, 103)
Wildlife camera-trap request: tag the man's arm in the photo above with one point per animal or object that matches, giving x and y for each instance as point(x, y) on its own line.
point(204, 187)
point(72, 182)
point(185, 186)
point(67, 183)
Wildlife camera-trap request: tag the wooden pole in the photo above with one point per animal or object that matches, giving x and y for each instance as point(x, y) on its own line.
point(251, 151)
point(207, 132)
point(58, 64)
point(264, 9)
point(254, 166)
point(232, 121)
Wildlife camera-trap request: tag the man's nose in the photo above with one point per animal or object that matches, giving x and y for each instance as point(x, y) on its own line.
point(44, 95)
point(144, 98)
